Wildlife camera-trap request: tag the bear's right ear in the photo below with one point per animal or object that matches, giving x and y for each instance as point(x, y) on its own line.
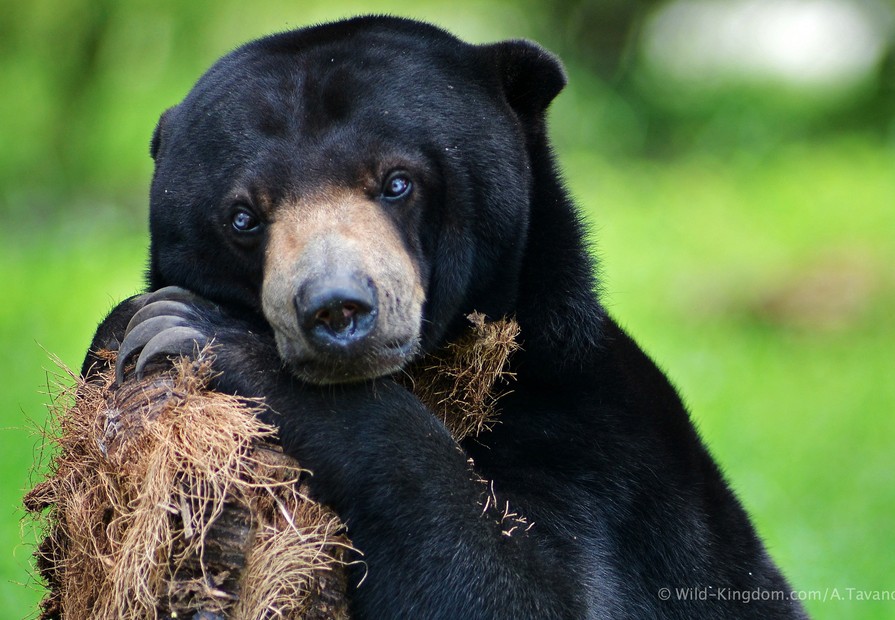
point(156, 141)
point(531, 76)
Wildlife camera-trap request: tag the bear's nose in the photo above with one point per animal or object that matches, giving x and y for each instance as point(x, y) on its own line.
point(337, 312)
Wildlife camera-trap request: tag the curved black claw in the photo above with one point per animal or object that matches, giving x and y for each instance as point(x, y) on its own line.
point(138, 336)
point(173, 293)
point(181, 341)
point(154, 309)
point(162, 327)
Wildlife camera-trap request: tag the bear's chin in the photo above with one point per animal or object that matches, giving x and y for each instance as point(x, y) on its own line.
point(346, 364)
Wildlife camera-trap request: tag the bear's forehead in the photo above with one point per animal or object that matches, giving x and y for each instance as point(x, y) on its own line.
point(295, 84)
point(379, 57)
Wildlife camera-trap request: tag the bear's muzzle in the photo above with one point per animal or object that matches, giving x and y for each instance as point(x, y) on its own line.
point(341, 290)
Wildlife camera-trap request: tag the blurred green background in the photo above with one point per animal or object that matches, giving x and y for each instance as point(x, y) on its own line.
point(736, 160)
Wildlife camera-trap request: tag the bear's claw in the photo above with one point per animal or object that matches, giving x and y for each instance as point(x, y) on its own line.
point(155, 309)
point(161, 328)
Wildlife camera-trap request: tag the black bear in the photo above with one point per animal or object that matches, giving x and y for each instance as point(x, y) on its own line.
point(330, 203)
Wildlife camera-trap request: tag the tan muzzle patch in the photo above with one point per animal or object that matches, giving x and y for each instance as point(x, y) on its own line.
point(326, 240)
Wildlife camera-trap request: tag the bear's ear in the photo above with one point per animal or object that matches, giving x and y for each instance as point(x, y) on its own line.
point(156, 141)
point(531, 76)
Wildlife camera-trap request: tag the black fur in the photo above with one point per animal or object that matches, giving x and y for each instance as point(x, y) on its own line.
point(593, 447)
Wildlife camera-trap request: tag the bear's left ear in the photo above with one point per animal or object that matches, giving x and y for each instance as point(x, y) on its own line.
point(156, 142)
point(531, 76)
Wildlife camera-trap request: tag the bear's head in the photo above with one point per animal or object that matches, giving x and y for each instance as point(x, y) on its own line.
point(362, 186)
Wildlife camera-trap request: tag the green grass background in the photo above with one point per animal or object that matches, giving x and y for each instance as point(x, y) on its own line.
point(760, 279)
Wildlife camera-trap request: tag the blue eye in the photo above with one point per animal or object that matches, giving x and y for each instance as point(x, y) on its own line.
point(243, 221)
point(397, 186)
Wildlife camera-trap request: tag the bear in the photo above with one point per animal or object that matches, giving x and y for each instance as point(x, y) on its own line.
point(327, 205)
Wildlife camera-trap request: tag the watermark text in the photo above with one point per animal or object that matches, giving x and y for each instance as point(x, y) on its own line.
point(724, 594)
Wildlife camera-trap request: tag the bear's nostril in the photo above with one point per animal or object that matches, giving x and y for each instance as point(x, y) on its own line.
point(340, 316)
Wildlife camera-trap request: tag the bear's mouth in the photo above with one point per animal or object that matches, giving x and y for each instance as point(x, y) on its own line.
point(346, 364)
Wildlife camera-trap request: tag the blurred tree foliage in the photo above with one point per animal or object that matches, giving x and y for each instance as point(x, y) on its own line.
point(600, 34)
point(79, 80)
point(601, 39)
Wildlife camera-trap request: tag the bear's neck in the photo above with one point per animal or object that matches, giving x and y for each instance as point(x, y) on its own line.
point(557, 302)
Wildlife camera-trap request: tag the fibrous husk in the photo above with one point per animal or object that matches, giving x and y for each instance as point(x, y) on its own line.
point(165, 499)
point(458, 382)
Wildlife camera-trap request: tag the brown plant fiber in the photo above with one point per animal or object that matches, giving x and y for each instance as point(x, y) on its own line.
point(164, 498)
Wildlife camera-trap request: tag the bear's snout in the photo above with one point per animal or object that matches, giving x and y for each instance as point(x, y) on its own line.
point(341, 290)
point(339, 311)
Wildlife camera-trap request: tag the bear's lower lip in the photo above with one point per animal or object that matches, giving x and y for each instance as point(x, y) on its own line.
point(351, 364)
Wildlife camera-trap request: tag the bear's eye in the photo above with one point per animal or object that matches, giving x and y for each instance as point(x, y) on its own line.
point(244, 221)
point(397, 186)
